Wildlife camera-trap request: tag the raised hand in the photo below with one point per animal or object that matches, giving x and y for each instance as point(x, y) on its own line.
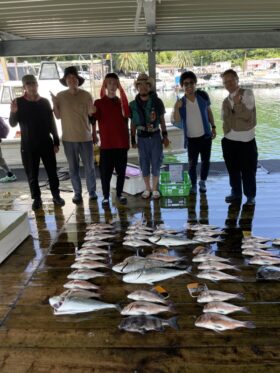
point(14, 106)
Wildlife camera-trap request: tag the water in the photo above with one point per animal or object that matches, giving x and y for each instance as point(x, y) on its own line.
point(268, 118)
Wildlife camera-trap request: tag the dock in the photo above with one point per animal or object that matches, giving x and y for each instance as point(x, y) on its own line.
point(33, 340)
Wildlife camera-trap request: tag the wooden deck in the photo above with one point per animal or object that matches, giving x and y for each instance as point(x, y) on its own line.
point(33, 340)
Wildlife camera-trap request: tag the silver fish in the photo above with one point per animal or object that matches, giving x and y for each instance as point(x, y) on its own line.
point(206, 239)
point(254, 252)
point(198, 227)
point(219, 266)
point(143, 324)
point(268, 273)
point(99, 237)
point(80, 284)
point(216, 296)
point(93, 250)
point(161, 232)
point(135, 243)
point(79, 293)
point(170, 241)
point(73, 293)
point(149, 276)
point(209, 257)
point(95, 243)
point(70, 306)
point(276, 242)
point(84, 274)
point(143, 232)
point(135, 236)
point(88, 264)
point(219, 323)
point(145, 308)
point(223, 308)
point(165, 257)
point(264, 260)
point(99, 225)
point(205, 233)
point(256, 239)
point(217, 276)
point(254, 246)
point(88, 256)
point(148, 296)
point(135, 263)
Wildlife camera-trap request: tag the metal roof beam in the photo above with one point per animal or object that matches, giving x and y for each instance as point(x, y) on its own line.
point(139, 43)
point(181, 41)
point(37, 47)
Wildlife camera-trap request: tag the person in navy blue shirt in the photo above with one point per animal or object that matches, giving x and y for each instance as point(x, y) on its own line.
point(193, 114)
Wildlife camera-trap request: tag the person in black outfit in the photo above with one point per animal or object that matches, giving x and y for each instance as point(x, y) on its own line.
point(35, 117)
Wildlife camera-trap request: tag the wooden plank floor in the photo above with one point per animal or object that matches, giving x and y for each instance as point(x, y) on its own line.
point(33, 340)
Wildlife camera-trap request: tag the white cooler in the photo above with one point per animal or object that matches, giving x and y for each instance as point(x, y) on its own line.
point(14, 228)
point(134, 183)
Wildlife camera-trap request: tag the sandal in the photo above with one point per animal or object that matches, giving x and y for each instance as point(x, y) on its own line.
point(146, 194)
point(156, 194)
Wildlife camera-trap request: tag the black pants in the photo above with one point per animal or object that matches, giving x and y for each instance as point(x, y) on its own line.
point(111, 159)
point(196, 146)
point(241, 160)
point(31, 161)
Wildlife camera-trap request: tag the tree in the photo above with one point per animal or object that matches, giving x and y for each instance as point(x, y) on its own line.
point(182, 59)
point(131, 62)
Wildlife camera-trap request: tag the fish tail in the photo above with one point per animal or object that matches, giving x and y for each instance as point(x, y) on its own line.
point(171, 308)
point(172, 322)
point(245, 309)
point(240, 296)
point(249, 324)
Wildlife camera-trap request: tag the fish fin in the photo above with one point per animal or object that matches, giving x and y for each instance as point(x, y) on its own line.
point(245, 309)
point(172, 322)
point(249, 324)
point(150, 283)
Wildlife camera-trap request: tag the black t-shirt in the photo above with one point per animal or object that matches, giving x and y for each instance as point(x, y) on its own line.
point(36, 123)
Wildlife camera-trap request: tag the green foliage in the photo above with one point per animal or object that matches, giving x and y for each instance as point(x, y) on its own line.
point(182, 59)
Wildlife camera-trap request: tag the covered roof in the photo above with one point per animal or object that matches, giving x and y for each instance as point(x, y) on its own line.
point(130, 25)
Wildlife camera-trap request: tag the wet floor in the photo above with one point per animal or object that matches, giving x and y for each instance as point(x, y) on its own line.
point(32, 339)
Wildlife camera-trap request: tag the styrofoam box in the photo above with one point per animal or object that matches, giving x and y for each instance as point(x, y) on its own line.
point(14, 228)
point(133, 184)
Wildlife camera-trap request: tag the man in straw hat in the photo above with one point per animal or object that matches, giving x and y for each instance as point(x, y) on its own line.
point(112, 114)
point(147, 121)
point(74, 106)
point(39, 139)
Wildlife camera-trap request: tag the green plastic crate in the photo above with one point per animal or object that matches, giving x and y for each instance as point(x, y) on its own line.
point(169, 189)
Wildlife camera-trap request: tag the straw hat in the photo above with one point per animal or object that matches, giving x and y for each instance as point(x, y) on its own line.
point(144, 78)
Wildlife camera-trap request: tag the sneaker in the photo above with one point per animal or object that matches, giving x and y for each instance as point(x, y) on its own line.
point(146, 194)
point(122, 199)
point(58, 201)
point(105, 202)
point(8, 179)
point(93, 197)
point(77, 199)
point(202, 186)
point(156, 194)
point(250, 201)
point(233, 198)
point(37, 204)
point(193, 189)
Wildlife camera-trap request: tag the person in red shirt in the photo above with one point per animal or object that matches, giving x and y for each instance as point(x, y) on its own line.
point(112, 114)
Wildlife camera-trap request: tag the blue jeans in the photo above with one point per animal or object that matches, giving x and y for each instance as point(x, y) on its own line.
point(150, 154)
point(73, 152)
